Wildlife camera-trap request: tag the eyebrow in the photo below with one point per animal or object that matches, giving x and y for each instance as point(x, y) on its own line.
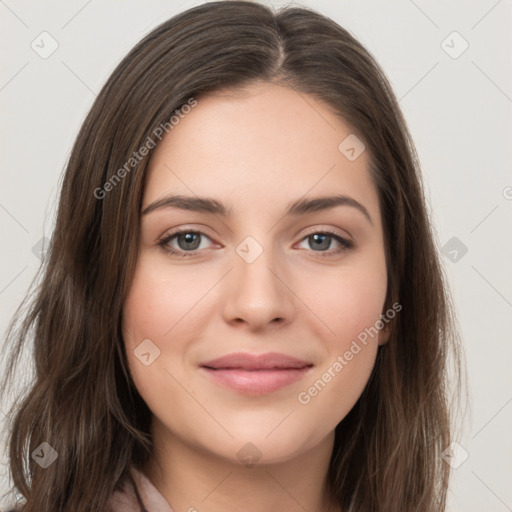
point(214, 207)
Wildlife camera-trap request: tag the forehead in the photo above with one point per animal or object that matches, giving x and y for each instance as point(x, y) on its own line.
point(262, 144)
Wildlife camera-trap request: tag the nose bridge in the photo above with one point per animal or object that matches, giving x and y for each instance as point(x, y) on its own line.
point(257, 294)
point(254, 263)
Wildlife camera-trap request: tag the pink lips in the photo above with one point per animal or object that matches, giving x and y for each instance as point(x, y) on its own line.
point(256, 374)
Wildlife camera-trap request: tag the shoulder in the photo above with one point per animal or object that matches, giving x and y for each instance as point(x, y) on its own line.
point(148, 493)
point(138, 494)
point(124, 499)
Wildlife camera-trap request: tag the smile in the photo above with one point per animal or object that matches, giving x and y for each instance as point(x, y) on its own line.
point(256, 374)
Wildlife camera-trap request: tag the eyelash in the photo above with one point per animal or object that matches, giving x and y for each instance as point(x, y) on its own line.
point(345, 244)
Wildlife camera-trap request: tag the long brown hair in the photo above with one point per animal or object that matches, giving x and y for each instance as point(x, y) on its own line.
point(82, 402)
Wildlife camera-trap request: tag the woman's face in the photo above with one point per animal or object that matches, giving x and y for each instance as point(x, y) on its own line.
point(258, 280)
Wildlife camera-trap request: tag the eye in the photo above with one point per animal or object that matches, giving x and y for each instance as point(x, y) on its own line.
point(188, 241)
point(321, 240)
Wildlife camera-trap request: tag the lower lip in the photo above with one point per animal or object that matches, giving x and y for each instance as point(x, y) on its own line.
point(257, 382)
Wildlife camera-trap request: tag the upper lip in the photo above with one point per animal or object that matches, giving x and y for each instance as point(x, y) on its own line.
point(242, 361)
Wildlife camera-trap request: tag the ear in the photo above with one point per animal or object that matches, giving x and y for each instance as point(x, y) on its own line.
point(384, 334)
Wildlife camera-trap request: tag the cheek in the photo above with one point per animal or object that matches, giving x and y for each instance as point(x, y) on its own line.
point(156, 310)
point(350, 354)
point(167, 305)
point(349, 299)
point(350, 305)
point(162, 300)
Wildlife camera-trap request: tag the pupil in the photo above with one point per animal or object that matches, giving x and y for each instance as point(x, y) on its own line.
point(322, 239)
point(189, 239)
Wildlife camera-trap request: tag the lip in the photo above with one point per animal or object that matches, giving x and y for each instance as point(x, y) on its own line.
point(256, 374)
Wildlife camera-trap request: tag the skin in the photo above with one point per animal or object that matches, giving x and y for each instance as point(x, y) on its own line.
point(256, 151)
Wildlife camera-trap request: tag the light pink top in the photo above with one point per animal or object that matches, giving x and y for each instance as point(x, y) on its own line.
point(125, 499)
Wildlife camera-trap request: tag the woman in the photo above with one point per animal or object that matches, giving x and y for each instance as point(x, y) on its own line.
point(242, 305)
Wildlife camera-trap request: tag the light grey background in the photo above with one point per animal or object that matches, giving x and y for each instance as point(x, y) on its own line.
point(458, 111)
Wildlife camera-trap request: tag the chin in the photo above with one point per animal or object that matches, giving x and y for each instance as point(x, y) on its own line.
point(251, 446)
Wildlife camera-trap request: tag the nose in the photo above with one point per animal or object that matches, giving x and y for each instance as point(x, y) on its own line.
point(259, 293)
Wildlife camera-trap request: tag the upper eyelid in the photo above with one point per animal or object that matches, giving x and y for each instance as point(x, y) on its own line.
point(180, 231)
point(330, 231)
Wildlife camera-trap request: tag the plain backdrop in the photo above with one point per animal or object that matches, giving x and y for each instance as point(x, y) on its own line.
point(450, 65)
